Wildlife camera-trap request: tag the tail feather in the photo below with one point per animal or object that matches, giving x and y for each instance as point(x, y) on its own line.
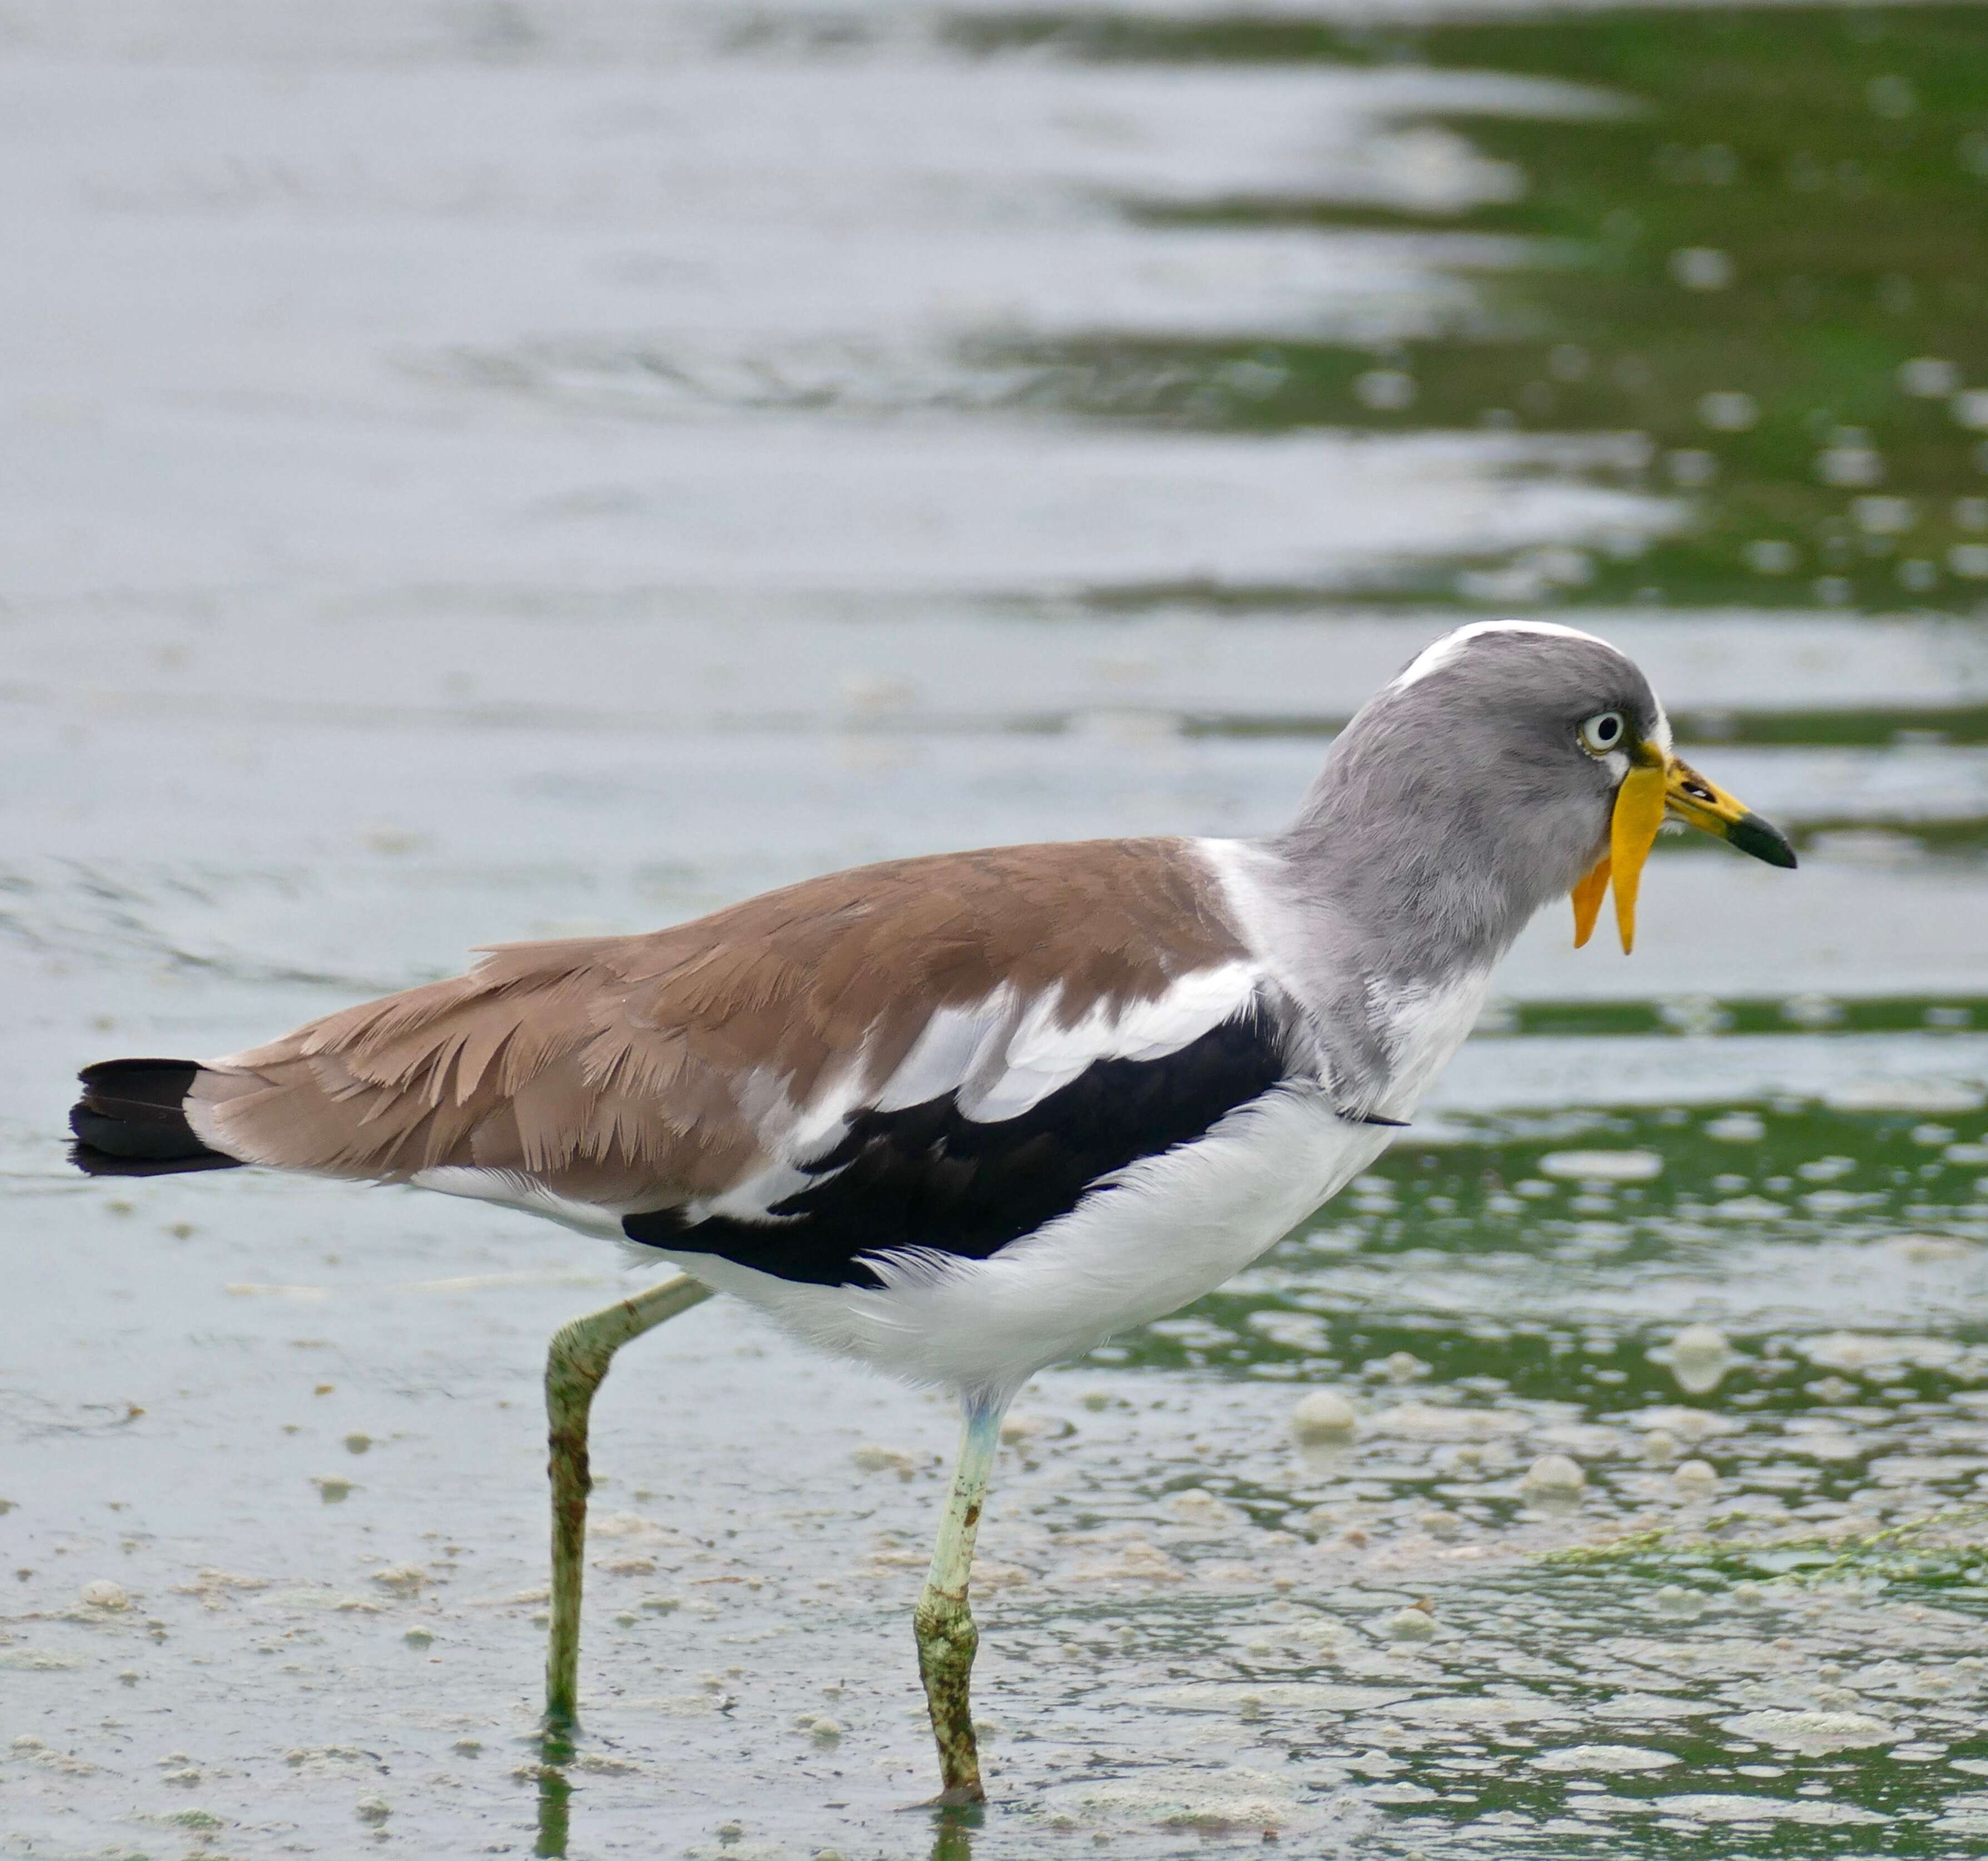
point(131, 1121)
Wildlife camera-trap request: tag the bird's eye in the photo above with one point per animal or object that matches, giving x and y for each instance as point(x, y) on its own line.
point(1602, 732)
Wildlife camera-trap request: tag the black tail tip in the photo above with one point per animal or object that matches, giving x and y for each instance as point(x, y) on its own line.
point(131, 1120)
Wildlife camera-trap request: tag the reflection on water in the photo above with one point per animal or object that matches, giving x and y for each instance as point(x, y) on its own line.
point(566, 468)
point(556, 1750)
point(1761, 268)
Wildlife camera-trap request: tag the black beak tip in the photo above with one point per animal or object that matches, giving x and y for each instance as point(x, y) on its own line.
point(1763, 840)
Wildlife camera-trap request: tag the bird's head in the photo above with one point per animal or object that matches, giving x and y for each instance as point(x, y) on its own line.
point(1546, 749)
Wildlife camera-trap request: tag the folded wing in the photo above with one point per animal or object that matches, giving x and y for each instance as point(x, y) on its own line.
point(940, 1053)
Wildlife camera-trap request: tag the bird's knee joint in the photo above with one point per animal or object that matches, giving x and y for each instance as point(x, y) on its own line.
point(572, 1375)
point(946, 1632)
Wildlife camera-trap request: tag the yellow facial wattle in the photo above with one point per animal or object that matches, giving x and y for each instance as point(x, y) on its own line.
point(1658, 784)
point(1588, 895)
point(1640, 803)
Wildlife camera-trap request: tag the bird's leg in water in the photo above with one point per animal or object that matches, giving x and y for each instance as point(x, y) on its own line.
point(946, 1636)
point(576, 1363)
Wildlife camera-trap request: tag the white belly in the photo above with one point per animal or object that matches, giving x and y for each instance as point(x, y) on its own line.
point(1174, 1227)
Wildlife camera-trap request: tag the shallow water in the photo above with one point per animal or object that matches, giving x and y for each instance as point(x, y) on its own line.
point(490, 471)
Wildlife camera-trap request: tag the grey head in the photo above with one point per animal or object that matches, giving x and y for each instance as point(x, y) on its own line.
point(1479, 785)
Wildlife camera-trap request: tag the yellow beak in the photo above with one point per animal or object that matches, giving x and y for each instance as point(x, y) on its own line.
point(1658, 784)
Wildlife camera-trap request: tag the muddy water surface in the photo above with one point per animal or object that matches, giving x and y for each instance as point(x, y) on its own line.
point(492, 472)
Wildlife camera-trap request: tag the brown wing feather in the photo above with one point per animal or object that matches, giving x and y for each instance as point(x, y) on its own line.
point(617, 1070)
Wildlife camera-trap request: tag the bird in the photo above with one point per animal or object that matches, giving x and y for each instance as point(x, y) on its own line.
point(963, 1116)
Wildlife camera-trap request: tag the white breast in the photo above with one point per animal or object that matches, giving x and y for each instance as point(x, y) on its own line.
point(1173, 1227)
point(1425, 1025)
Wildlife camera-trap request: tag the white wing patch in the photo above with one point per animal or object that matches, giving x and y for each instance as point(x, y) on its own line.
point(955, 1045)
point(511, 1189)
point(1002, 1056)
point(1039, 1057)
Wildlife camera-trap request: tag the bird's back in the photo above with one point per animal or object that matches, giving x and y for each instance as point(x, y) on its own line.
point(643, 1072)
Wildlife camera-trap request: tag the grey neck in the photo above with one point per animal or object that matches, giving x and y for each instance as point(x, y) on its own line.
point(1401, 878)
point(1414, 882)
point(1457, 803)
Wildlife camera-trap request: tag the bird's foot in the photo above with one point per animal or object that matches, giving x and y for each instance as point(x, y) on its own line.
point(960, 1796)
point(947, 1639)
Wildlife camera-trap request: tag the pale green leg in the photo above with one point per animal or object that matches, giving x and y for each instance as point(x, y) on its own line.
point(944, 1623)
point(576, 1363)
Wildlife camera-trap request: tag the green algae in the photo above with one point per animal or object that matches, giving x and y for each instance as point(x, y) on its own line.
point(1767, 265)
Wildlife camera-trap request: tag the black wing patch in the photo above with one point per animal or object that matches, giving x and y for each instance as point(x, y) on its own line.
point(927, 1177)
